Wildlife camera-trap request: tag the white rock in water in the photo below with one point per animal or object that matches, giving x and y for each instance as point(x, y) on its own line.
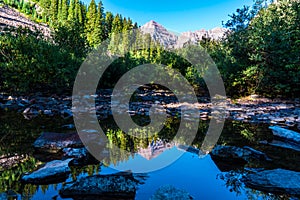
point(288, 135)
point(52, 172)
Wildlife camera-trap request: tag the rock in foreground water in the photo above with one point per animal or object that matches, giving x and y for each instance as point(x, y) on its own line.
point(113, 186)
point(53, 172)
point(275, 181)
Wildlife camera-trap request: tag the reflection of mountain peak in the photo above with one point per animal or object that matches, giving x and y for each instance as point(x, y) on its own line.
point(170, 40)
point(155, 148)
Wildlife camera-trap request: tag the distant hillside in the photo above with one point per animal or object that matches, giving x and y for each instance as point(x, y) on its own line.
point(9, 17)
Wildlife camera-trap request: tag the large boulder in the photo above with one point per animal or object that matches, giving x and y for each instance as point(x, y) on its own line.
point(286, 135)
point(55, 142)
point(275, 181)
point(53, 172)
point(113, 186)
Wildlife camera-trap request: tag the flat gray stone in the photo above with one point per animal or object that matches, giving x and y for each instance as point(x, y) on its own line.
point(275, 181)
point(53, 172)
point(285, 134)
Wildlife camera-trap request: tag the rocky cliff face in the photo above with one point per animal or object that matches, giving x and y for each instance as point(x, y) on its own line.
point(171, 40)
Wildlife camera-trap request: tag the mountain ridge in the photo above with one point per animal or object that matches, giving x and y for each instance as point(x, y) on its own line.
point(170, 40)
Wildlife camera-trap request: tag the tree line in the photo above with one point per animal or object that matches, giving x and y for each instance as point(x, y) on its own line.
point(259, 55)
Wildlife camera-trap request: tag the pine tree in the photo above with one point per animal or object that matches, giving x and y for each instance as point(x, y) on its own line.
point(71, 11)
point(59, 10)
point(135, 25)
point(84, 12)
point(109, 17)
point(64, 10)
point(78, 13)
point(100, 26)
point(115, 45)
point(91, 18)
point(117, 24)
point(54, 10)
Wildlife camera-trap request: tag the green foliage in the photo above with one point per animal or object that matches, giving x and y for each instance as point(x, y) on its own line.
point(263, 50)
point(30, 64)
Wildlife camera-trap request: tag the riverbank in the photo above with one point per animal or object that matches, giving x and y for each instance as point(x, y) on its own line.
point(252, 109)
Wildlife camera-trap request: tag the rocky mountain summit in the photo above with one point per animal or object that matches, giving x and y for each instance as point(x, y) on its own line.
point(171, 40)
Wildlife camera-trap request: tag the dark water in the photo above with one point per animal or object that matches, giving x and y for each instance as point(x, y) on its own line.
point(200, 176)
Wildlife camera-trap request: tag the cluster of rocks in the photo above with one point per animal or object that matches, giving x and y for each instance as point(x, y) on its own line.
point(38, 105)
point(264, 111)
point(72, 152)
point(278, 181)
point(273, 113)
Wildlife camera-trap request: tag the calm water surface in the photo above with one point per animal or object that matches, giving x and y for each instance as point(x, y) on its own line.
point(200, 176)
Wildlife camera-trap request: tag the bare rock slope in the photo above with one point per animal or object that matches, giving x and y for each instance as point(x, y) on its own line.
point(9, 17)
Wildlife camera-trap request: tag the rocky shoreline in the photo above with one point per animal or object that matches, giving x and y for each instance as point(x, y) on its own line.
point(252, 109)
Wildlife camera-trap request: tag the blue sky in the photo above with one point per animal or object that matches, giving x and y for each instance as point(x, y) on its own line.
point(176, 15)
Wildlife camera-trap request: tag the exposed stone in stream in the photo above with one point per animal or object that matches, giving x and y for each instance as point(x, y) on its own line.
point(284, 138)
point(122, 185)
point(278, 181)
point(286, 135)
point(53, 172)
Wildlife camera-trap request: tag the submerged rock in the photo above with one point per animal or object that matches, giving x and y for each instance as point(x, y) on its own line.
point(286, 135)
point(169, 192)
point(113, 186)
point(237, 153)
point(53, 142)
point(53, 172)
point(275, 181)
point(3, 196)
point(229, 158)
